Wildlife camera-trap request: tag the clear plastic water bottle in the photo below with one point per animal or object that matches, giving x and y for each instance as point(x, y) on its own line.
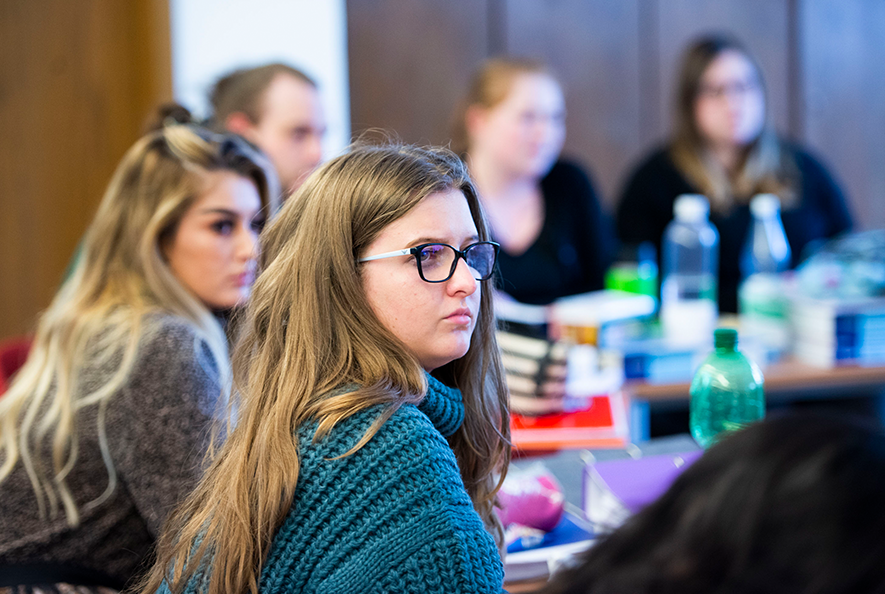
point(762, 299)
point(726, 392)
point(690, 270)
point(766, 249)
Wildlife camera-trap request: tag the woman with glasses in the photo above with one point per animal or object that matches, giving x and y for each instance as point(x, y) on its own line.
point(105, 427)
point(374, 423)
point(543, 210)
point(724, 148)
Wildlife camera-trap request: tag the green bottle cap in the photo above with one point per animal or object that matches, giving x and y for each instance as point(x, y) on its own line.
point(725, 338)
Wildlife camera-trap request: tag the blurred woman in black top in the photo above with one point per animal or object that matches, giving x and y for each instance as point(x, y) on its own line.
point(543, 211)
point(724, 148)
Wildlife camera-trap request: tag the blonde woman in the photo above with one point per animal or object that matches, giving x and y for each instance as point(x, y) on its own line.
point(105, 427)
point(543, 210)
point(374, 414)
point(724, 148)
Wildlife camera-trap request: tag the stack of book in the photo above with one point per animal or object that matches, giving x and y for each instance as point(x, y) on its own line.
point(556, 356)
point(601, 318)
point(597, 318)
point(837, 332)
point(657, 361)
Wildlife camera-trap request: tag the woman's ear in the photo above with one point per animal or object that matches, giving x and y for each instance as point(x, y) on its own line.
point(165, 241)
point(475, 118)
point(239, 123)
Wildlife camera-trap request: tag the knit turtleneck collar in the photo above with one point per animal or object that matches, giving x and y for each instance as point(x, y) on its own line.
point(444, 406)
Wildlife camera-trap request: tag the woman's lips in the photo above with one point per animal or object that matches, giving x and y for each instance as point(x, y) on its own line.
point(461, 317)
point(245, 279)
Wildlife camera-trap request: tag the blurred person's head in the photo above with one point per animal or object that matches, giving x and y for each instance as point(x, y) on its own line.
point(176, 233)
point(721, 95)
point(277, 108)
point(789, 504)
point(720, 109)
point(513, 118)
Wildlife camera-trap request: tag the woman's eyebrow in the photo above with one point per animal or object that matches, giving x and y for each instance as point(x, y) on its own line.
point(221, 211)
point(226, 212)
point(469, 240)
point(425, 239)
point(421, 240)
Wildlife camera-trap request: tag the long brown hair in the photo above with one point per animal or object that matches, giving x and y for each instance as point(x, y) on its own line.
point(100, 311)
point(309, 329)
point(764, 167)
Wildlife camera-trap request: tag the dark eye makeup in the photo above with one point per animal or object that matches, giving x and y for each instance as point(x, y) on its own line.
point(222, 226)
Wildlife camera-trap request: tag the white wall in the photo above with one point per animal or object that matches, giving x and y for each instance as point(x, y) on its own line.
point(212, 37)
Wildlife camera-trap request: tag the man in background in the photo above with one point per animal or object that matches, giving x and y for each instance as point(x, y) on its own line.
point(277, 108)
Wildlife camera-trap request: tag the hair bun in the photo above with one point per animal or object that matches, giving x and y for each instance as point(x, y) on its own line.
point(171, 114)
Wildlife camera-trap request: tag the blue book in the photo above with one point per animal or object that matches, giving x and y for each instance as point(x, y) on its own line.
point(656, 361)
point(536, 558)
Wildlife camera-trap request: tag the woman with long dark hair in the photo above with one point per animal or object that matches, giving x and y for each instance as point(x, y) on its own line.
point(724, 147)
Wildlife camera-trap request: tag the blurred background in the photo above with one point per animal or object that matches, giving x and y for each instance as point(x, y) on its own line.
point(80, 80)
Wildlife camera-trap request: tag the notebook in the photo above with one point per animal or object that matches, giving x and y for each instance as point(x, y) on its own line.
point(602, 423)
point(537, 559)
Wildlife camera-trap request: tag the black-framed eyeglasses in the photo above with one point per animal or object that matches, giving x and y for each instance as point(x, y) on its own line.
point(437, 261)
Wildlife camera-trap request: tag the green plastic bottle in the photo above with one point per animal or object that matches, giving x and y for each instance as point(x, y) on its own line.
point(726, 392)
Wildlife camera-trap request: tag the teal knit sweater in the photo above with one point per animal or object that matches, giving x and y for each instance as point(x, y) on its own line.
point(392, 517)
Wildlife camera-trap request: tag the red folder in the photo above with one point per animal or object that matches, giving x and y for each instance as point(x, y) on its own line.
point(601, 424)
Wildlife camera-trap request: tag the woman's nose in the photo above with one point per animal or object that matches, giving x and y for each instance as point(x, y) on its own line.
point(463, 279)
point(247, 244)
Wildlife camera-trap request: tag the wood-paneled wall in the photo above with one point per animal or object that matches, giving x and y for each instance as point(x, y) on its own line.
point(409, 60)
point(79, 79)
point(842, 51)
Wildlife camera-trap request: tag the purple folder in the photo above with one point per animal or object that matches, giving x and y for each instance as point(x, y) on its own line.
point(616, 489)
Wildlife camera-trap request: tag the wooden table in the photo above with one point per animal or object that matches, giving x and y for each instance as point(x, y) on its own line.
point(786, 381)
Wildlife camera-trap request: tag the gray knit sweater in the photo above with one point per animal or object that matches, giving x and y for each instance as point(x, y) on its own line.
point(158, 427)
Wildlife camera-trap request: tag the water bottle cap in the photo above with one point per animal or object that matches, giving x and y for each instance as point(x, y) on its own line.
point(691, 207)
point(725, 338)
point(765, 205)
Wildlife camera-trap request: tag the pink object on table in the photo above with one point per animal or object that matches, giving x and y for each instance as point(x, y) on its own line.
point(531, 498)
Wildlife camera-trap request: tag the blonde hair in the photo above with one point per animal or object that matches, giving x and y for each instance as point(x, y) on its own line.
point(765, 168)
point(490, 86)
point(309, 329)
point(99, 312)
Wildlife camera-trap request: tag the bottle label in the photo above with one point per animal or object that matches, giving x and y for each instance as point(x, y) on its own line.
point(689, 321)
point(764, 310)
point(678, 287)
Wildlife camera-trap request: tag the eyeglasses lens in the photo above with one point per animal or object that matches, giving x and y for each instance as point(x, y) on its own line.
point(438, 261)
point(481, 260)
